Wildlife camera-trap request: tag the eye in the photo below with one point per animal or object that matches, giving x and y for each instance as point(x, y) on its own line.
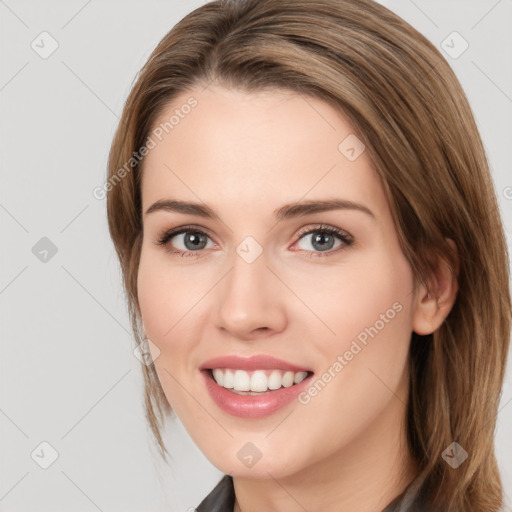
point(194, 240)
point(323, 238)
point(191, 239)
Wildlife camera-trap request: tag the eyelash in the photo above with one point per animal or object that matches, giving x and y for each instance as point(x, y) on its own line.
point(345, 237)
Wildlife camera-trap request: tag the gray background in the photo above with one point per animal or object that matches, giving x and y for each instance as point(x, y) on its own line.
point(69, 376)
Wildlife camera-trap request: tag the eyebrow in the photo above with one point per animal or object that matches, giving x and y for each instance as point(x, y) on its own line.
point(285, 212)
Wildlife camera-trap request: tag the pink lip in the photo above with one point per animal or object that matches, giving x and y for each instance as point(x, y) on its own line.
point(252, 406)
point(259, 362)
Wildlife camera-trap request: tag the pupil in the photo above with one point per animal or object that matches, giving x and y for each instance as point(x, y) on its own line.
point(322, 237)
point(194, 239)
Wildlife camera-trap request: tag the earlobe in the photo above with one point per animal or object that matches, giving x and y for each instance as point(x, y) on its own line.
point(434, 301)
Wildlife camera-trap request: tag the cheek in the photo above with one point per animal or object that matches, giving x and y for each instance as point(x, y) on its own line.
point(166, 296)
point(153, 299)
point(172, 310)
point(162, 304)
point(378, 307)
point(364, 362)
point(363, 368)
point(367, 298)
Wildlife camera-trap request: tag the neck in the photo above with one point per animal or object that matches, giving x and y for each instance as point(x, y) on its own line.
point(364, 476)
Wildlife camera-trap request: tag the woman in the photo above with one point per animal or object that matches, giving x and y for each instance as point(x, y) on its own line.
point(312, 253)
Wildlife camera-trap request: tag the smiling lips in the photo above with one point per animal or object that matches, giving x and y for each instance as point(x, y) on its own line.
point(253, 387)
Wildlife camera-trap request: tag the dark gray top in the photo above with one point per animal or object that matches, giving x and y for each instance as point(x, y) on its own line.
point(222, 498)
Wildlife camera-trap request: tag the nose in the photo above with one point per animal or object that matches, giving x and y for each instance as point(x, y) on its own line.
point(250, 300)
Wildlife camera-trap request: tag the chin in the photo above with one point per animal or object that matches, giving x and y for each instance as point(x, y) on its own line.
point(257, 460)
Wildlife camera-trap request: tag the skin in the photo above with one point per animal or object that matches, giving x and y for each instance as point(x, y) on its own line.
point(245, 155)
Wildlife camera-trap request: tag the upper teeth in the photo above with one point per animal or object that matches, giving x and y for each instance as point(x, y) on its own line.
point(259, 380)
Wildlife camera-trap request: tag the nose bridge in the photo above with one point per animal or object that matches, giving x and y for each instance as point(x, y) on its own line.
point(249, 297)
point(249, 269)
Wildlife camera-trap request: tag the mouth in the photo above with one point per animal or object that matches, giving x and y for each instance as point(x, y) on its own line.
point(256, 382)
point(253, 387)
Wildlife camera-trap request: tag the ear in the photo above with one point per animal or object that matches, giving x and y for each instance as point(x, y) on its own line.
point(433, 303)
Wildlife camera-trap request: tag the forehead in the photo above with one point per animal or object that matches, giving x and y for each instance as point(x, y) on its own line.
point(249, 150)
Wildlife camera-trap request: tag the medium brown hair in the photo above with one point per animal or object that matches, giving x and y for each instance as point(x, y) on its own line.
point(409, 109)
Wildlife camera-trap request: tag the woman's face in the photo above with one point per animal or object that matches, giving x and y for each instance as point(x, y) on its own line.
point(336, 309)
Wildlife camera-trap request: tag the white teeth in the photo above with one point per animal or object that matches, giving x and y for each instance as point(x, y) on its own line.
point(219, 376)
point(299, 377)
point(256, 381)
point(288, 379)
point(242, 381)
point(274, 381)
point(228, 379)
